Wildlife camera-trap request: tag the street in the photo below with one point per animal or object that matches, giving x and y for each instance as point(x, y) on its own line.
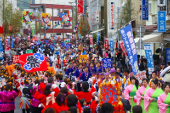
point(17, 105)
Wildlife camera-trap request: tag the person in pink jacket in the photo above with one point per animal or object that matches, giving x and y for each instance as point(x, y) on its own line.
point(6, 98)
point(141, 92)
point(130, 91)
point(164, 99)
point(150, 97)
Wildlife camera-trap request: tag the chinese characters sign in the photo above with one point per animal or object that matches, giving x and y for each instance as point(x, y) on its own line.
point(108, 94)
point(33, 62)
point(106, 43)
point(145, 10)
point(107, 62)
point(167, 51)
point(111, 15)
point(80, 7)
point(149, 58)
point(129, 42)
point(15, 59)
point(162, 21)
point(111, 45)
point(6, 45)
point(140, 75)
point(83, 58)
point(123, 47)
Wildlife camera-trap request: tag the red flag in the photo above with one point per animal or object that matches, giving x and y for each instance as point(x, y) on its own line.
point(33, 62)
point(15, 59)
point(106, 43)
point(123, 47)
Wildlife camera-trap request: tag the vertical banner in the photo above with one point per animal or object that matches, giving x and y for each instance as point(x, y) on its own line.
point(12, 43)
point(91, 40)
point(167, 52)
point(1, 49)
point(98, 36)
point(6, 45)
point(111, 45)
point(33, 30)
point(129, 42)
point(149, 57)
point(9, 40)
point(80, 7)
point(111, 12)
point(162, 21)
point(123, 47)
point(17, 39)
point(106, 43)
point(145, 11)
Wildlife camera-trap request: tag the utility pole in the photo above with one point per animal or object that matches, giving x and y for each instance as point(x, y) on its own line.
point(63, 23)
point(3, 17)
point(84, 14)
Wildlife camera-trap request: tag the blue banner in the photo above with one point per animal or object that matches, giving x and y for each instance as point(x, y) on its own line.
point(149, 58)
point(63, 44)
point(68, 46)
point(98, 36)
point(1, 49)
point(145, 11)
point(129, 43)
point(107, 62)
point(37, 42)
point(162, 21)
point(12, 43)
point(167, 52)
point(111, 45)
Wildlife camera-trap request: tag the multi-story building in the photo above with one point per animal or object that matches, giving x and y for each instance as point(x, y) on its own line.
point(53, 7)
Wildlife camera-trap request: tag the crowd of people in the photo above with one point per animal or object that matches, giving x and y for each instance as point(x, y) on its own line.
point(71, 85)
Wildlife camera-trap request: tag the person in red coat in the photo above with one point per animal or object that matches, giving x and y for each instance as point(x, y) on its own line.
point(58, 105)
point(88, 95)
point(42, 97)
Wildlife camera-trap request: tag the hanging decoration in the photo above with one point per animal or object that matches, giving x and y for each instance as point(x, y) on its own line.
point(27, 17)
point(65, 18)
point(46, 19)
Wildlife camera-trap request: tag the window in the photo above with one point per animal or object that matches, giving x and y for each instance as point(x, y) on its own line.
point(150, 8)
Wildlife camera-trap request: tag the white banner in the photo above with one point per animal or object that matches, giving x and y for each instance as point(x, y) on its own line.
point(111, 13)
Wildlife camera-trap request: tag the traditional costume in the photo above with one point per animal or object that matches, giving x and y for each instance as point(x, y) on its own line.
point(139, 94)
point(151, 106)
point(130, 91)
point(163, 101)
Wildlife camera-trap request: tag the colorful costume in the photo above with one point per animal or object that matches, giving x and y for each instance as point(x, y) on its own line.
point(85, 76)
point(151, 106)
point(163, 101)
point(139, 94)
point(25, 98)
point(6, 104)
point(130, 91)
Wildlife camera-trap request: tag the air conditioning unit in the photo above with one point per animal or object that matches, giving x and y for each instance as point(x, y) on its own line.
point(154, 20)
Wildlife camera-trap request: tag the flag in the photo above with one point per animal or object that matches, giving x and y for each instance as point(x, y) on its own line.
point(33, 62)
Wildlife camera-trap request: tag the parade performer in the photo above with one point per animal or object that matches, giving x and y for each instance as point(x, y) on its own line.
point(153, 77)
point(130, 91)
point(78, 71)
point(126, 79)
point(25, 97)
point(86, 74)
point(164, 99)
point(6, 99)
point(150, 97)
point(112, 72)
point(98, 67)
point(86, 94)
point(117, 79)
point(141, 92)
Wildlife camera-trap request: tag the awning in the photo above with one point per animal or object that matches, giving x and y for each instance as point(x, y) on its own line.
point(97, 30)
point(153, 37)
point(167, 39)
